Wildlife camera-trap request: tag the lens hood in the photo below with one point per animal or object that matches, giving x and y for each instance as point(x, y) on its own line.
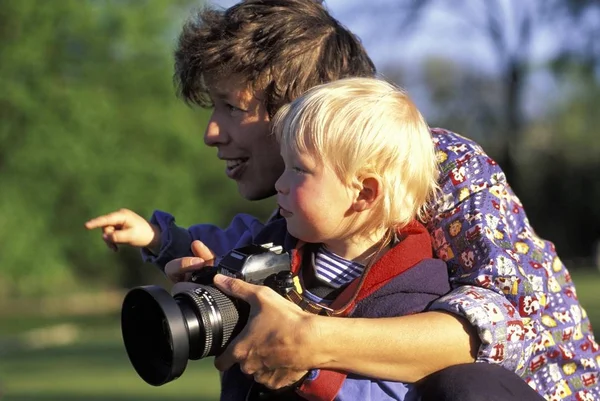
point(154, 334)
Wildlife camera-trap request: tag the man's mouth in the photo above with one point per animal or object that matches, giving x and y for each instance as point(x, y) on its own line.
point(235, 167)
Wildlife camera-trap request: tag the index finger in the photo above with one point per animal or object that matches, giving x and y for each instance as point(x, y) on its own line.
point(176, 268)
point(202, 251)
point(111, 219)
point(236, 287)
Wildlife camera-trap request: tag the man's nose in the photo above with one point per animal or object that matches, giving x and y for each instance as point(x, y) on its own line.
point(215, 134)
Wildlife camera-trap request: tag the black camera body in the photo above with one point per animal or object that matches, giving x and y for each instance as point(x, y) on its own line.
point(162, 332)
point(254, 264)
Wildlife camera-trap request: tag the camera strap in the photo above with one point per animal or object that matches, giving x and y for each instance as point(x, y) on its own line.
point(341, 301)
point(306, 280)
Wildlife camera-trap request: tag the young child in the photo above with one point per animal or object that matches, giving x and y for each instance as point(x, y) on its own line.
point(359, 170)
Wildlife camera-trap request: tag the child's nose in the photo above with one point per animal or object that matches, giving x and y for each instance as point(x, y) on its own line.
point(280, 186)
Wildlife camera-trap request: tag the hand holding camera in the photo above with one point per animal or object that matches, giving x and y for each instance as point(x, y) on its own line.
point(267, 347)
point(161, 332)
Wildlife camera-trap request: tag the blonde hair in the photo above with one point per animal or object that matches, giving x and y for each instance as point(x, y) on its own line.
point(360, 126)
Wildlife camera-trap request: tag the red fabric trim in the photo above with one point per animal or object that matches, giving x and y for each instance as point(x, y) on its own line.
point(415, 245)
point(324, 388)
point(296, 257)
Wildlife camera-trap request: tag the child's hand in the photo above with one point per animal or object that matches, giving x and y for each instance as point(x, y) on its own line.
point(181, 269)
point(126, 227)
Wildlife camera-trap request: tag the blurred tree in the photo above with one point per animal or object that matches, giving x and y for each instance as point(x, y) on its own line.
point(562, 167)
point(89, 123)
point(462, 98)
point(510, 27)
point(557, 161)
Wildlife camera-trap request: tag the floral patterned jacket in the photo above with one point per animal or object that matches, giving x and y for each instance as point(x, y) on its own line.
point(531, 321)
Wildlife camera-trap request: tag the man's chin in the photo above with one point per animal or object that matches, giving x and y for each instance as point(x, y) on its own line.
point(253, 192)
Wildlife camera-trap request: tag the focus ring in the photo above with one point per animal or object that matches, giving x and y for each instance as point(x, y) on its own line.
point(229, 315)
point(219, 316)
point(204, 314)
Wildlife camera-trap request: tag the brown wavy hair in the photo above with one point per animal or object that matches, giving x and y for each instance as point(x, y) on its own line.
point(281, 47)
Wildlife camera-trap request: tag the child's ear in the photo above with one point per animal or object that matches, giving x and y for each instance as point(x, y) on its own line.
point(368, 194)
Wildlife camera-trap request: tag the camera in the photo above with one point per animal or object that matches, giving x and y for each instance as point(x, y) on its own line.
point(162, 332)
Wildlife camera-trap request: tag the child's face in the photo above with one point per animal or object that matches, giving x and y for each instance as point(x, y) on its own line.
point(239, 127)
point(313, 200)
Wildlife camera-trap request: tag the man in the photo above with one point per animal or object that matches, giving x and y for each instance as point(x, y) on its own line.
point(512, 303)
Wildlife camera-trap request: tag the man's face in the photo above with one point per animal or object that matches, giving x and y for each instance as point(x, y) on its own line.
point(239, 128)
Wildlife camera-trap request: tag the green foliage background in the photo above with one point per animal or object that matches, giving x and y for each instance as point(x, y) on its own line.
point(89, 123)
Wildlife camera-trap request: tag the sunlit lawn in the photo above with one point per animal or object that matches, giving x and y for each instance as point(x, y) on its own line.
point(588, 284)
point(95, 368)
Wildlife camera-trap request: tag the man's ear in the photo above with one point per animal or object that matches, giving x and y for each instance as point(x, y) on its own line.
point(369, 193)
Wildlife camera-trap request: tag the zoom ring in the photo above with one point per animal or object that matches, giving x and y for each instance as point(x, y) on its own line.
point(229, 314)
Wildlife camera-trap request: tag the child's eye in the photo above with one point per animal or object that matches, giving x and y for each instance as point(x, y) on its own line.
point(298, 170)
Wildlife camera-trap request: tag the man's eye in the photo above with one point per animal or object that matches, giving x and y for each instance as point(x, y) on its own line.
point(232, 108)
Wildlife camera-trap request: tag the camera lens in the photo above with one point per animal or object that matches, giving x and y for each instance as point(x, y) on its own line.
point(161, 332)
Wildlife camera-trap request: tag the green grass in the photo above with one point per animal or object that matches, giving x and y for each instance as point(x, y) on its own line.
point(587, 283)
point(95, 367)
